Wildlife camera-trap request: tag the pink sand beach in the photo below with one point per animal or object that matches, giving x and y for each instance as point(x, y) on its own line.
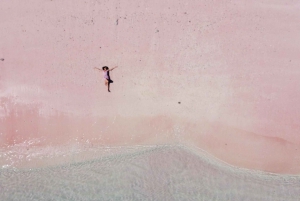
point(222, 76)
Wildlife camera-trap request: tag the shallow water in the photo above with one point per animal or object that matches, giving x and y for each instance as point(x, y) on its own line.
point(157, 173)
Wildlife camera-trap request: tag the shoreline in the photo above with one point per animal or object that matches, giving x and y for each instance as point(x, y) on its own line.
point(155, 173)
point(85, 154)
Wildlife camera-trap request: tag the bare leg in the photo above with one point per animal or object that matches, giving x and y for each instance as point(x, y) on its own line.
point(107, 84)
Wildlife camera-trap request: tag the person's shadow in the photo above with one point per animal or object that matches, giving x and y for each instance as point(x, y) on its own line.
point(109, 81)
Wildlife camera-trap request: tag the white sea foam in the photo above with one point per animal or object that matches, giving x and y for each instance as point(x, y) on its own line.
point(145, 173)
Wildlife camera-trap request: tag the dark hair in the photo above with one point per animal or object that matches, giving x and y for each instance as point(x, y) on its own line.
point(104, 67)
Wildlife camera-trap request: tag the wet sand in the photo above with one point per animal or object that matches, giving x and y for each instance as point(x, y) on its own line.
point(235, 146)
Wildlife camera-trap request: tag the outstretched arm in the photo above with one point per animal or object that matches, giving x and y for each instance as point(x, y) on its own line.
point(113, 68)
point(97, 68)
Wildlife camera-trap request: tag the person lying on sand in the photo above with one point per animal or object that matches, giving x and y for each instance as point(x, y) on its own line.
point(106, 76)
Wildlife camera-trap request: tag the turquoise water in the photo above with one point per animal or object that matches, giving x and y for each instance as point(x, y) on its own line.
point(158, 173)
